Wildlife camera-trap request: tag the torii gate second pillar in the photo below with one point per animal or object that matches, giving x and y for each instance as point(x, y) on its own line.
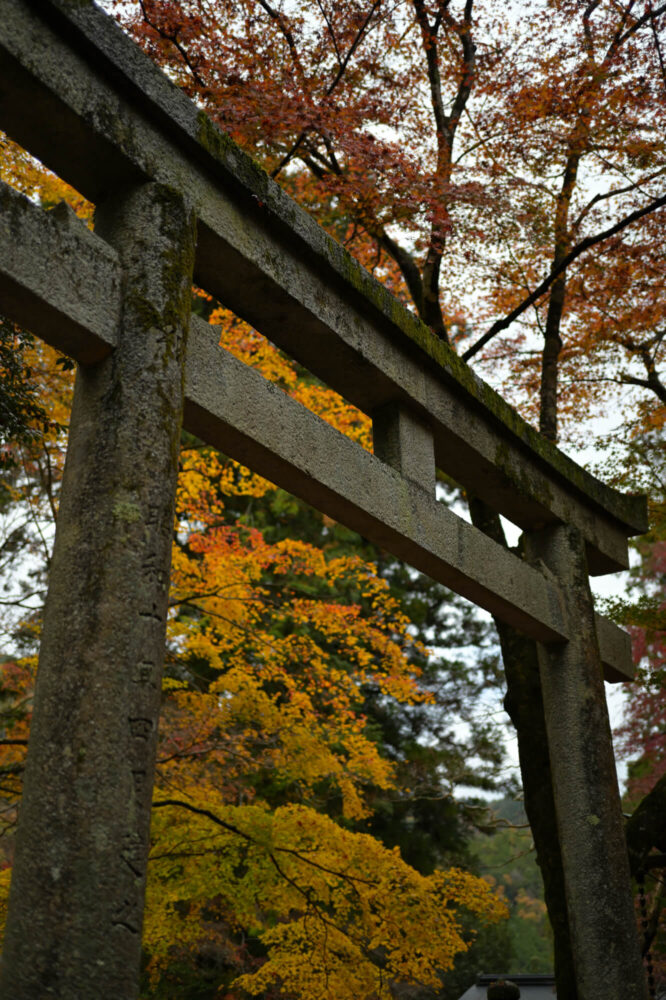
point(602, 921)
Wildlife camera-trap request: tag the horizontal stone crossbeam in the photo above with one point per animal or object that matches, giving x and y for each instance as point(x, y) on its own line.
point(104, 113)
point(57, 278)
point(42, 257)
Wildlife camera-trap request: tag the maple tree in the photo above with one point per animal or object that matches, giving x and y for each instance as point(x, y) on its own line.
point(440, 134)
point(276, 723)
point(267, 770)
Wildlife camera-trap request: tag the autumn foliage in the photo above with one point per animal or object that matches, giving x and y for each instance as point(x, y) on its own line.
point(271, 647)
point(501, 169)
point(266, 767)
point(486, 162)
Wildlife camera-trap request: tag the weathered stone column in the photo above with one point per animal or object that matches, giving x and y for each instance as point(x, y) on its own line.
point(74, 927)
point(589, 818)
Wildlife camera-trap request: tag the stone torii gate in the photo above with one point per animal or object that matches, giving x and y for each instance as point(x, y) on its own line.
point(176, 202)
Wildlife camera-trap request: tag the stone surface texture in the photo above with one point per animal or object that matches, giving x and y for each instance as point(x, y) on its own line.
point(587, 802)
point(76, 904)
point(405, 442)
point(57, 278)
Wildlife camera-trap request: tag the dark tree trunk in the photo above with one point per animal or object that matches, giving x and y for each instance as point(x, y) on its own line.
point(646, 828)
point(550, 359)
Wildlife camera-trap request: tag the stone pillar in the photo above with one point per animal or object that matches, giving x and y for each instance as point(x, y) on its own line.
point(406, 443)
point(76, 902)
point(596, 870)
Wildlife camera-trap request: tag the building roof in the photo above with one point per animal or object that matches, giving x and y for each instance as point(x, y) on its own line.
point(532, 986)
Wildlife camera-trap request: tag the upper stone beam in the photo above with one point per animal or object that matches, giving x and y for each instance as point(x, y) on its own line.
point(81, 96)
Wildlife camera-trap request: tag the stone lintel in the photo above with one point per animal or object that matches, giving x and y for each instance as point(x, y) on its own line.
point(615, 651)
point(57, 278)
point(105, 111)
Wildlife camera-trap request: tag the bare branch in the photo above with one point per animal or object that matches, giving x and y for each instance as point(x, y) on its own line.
point(173, 38)
point(639, 23)
point(407, 265)
point(469, 66)
point(287, 34)
point(653, 384)
point(429, 36)
point(604, 196)
point(352, 48)
point(657, 45)
point(573, 254)
point(322, 11)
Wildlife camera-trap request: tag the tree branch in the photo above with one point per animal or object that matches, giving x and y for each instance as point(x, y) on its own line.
point(604, 196)
point(331, 87)
point(231, 828)
point(322, 11)
point(573, 254)
point(446, 126)
point(287, 34)
point(352, 48)
point(655, 35)
point(654, 384)
point(637, 25)
point(173, 38)
point(429, 36)
point(407, 265)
